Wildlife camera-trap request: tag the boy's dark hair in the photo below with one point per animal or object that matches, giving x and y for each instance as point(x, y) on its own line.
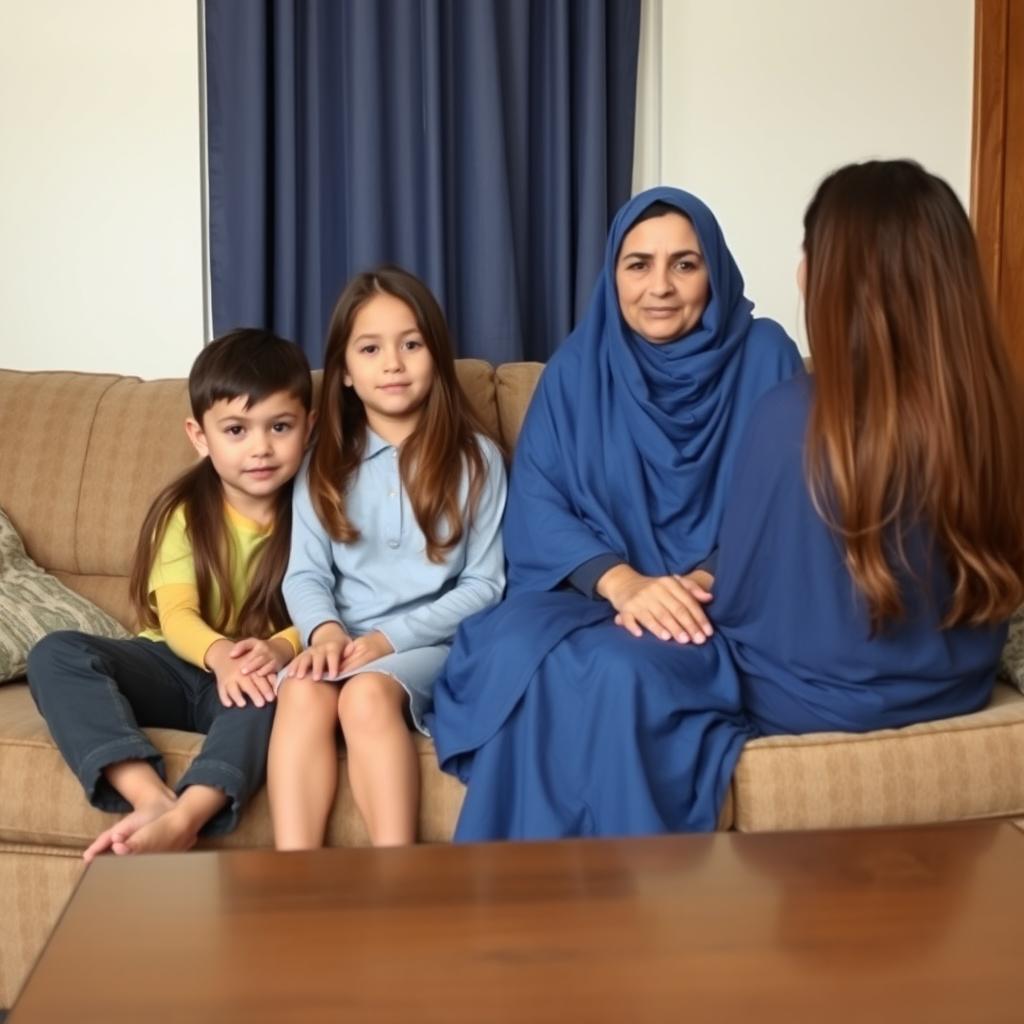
point(255, 364)
point(249, 362)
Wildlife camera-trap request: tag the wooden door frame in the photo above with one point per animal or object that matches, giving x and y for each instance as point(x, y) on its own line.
point(988, 133)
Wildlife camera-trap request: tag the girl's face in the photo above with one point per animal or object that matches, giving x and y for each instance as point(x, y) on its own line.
point(389, 366)
point(661, 278)
point(255, 451)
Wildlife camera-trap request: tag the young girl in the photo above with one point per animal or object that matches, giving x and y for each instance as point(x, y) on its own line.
point(395, 540)
point(872, 549)
point(206, 584)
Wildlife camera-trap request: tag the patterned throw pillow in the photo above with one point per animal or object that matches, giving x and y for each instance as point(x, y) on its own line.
point(1012, 666)
point(34, 603)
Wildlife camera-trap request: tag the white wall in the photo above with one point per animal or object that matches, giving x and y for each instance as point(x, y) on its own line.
point(759, 99)
point(100, 188)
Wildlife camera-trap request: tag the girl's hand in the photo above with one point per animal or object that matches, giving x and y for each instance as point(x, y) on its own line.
point(232, 687)
point(322, 659)
point(364, 650)
point(669, 607)
point(262, 657)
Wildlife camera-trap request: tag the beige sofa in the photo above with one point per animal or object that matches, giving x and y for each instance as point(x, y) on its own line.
point(81, 457)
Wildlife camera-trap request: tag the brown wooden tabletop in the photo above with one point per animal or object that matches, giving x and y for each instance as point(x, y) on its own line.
point(886, 925)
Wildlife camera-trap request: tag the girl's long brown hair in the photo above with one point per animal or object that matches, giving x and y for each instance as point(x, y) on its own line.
point(255, 364)
point(433, 458)
point(916, 415)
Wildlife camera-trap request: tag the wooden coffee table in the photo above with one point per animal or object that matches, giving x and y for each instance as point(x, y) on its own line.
point(885, 925)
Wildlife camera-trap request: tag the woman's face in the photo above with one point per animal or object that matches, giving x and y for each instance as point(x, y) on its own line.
point(661, 278)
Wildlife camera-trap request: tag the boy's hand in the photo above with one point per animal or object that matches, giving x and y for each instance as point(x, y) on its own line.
point(232, 687)
point(364, 650)
point(322, 659)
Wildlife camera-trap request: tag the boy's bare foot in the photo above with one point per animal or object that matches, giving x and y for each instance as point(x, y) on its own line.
point(170, 832)
point(130, 824)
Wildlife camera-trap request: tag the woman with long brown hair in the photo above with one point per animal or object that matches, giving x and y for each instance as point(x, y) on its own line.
point(872, 547)
point(396, 538)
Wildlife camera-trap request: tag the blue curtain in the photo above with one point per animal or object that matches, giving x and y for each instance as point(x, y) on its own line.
point(482, 144)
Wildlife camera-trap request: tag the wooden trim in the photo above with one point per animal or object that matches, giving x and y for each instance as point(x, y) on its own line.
point(1011, 246)
point(988, 144)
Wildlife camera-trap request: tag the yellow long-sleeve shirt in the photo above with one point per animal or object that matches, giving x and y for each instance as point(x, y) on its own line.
point(173, 591)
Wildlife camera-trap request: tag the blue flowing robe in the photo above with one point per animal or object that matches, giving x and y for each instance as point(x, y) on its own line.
point(798, 630)
point(560, 722)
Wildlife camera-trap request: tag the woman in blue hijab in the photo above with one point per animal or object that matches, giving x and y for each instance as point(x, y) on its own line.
point(561, 721)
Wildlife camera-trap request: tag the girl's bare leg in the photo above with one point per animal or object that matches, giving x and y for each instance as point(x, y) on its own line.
point(383, 769)
point(302, 771)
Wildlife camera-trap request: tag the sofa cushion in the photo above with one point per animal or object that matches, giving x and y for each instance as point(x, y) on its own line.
point(956, 769)
point(46, 421)
point(476, 378)
point(43, 802)
point(514, 387)
point(33, 603)
point(968, 767)
point(138, 445)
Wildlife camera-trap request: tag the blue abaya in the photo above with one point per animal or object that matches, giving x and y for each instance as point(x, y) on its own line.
point(798, 630)
point(560, 722)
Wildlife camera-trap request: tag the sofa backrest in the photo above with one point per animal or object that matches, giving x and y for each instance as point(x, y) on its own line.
point(82, 456)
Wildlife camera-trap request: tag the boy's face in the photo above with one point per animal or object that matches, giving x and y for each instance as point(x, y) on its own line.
point(255, 451)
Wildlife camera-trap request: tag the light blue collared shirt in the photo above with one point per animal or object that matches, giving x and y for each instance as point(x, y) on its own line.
point(384, 580)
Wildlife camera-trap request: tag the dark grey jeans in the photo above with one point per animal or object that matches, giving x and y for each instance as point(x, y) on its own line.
point(97, 694)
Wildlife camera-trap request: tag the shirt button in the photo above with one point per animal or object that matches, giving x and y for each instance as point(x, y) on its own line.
point(391, 494)
point(392, 543)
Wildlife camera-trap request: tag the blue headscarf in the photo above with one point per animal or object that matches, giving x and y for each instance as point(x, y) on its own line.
point(627, 445)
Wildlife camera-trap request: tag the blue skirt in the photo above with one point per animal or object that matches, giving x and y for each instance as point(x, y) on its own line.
point(414, 670)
